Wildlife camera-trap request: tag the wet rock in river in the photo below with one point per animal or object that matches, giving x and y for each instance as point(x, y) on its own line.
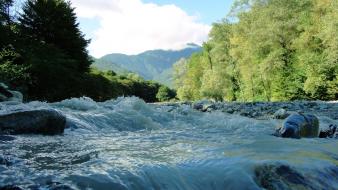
point(299, 125)
point(203, 105)
point(279, 177)
point(209, 107)
point(281, 114)
point(331, 132)
point(10, 187)
point(5, 138)
point(45, 122)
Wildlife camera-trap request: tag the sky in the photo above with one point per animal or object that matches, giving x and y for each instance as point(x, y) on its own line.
point(134, 26)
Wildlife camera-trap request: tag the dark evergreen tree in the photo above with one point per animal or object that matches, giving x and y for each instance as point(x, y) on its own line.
point(5, 11)
point(5, 21)
point(54, 22)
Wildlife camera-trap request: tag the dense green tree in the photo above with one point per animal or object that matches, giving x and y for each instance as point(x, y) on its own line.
point(165, 94)
point(212, 73)
point(54, 22)
point(179, 71)
point(317, 50)
point(191, 81)
point(273, 50)
point(263, 47)
point(12, 72)
point(6, 34)
point(220, 82)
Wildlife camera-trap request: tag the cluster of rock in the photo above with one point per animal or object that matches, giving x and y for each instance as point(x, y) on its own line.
point(296, 123)
point(267, 110)
point(45, 122)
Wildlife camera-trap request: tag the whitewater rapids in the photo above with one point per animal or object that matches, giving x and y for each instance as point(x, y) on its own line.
point(128, 144)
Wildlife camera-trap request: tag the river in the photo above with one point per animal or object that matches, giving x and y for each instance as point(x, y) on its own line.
point(128, 144)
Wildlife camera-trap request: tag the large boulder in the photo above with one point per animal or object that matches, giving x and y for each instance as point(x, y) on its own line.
point(299, 125)
point(45, 122)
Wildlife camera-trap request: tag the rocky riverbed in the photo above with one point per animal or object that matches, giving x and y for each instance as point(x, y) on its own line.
point(264, 110)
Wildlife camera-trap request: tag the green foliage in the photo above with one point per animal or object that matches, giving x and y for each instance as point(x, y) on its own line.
point(11, 71)
point(54, 22)
point(165, 94)
point(276, 50)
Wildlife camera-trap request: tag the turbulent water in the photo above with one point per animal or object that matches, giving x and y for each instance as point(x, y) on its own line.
point(128, 144)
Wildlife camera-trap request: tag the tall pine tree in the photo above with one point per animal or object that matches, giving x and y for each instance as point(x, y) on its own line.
point(54, 22)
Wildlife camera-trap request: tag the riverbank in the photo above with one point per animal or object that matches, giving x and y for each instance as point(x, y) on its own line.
point(263, 110)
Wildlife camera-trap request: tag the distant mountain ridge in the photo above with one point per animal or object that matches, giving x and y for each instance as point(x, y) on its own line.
point(151, 65)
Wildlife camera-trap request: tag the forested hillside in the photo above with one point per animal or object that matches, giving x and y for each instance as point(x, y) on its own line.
point(151, 65)
point(267, 50)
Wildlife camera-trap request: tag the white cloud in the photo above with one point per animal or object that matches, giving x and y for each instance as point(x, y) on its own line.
point(131, 26)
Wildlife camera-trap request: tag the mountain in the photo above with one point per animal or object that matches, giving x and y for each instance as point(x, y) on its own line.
point(151, 65)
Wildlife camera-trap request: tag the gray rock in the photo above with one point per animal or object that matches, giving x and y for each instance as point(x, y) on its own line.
point(5, 138)
point(229, 110)
point(209, 107)
point(200, 104)
point(269, 176)
point(281, 114)
point(299, 125)
point(10, 187)
point(197, 106)
point(46, 122)
point(330, 132)
point(255, 114)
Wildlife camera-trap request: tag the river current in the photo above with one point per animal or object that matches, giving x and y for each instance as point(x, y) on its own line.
point(128, 144)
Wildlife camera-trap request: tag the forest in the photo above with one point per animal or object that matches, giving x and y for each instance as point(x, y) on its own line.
point(266, 50)
point(43, 55)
